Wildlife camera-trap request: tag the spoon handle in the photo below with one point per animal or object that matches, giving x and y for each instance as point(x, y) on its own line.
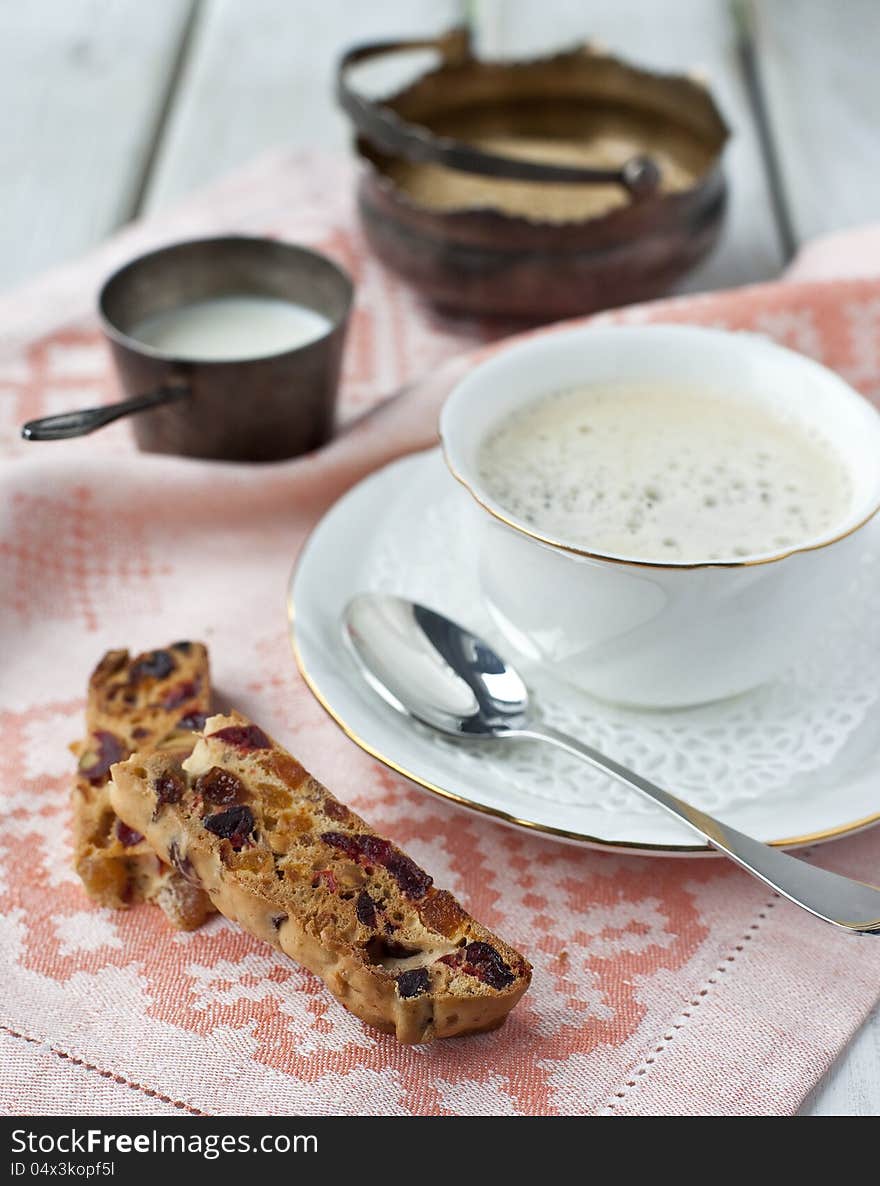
point(850, 904)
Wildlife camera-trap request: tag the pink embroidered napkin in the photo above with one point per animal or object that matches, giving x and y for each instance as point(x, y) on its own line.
point(661, 986)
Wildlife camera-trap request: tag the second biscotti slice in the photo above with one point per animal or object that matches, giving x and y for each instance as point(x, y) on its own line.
point(156, 700)
point(276, 852)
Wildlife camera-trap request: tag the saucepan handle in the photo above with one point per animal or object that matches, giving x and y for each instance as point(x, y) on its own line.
point(86, 420)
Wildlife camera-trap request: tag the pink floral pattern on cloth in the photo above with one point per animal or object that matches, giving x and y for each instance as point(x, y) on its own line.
point(661, 986)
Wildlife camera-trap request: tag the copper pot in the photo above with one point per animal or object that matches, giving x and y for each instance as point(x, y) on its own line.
point(542, 188)
point(255, 408)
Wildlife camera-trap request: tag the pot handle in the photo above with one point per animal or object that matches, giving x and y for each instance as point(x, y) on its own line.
point(86, 420)
point(384, 128)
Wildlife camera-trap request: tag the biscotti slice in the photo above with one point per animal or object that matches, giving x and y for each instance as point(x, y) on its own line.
point(277, 853)
point(152, 701)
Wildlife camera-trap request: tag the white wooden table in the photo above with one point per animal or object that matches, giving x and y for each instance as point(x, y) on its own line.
point(111, 109)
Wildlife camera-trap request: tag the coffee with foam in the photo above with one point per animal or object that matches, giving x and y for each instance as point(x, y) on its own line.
point(664, 475)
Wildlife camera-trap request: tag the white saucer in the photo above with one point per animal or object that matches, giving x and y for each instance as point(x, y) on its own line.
point(793, 763)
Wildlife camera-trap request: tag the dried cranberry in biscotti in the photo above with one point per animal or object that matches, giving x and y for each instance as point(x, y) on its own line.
point(169, 788)
point(483, 962)
point(154, 665)
point(368, 849)
point(220, 786)
point(345, 843)
point(413, 881)
point(234, 825)
point(127, 836)
point(365, 909)
point(104, 750)
point(244, 737)
point(333, 809)
point(194, 721)
point(186, 690)
point(413, 982)
point(326, 878)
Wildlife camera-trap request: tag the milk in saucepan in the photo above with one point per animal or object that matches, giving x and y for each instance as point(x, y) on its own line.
point(664, 475)
point(233, 327)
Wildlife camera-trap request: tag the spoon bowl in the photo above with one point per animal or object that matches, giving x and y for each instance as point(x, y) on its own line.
point(429, 668)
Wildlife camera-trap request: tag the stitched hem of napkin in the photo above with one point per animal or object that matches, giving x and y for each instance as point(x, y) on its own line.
point(120, 1079)
point(642, 1070)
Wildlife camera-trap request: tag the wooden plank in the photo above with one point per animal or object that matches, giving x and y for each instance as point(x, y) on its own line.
point(261, 74)
point(818, 64)
point(852, 1086)
point(677, 35)
point(82, 87)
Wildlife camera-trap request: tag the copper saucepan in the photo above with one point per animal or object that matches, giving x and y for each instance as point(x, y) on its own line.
point(254, 409)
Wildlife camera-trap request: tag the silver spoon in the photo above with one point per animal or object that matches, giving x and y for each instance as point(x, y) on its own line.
point(434, 671)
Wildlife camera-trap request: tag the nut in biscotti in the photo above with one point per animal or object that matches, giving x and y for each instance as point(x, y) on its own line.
point(150, 701)
point(277, 853)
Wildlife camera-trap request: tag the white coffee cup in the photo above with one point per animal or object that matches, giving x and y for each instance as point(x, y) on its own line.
point(643, 632)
